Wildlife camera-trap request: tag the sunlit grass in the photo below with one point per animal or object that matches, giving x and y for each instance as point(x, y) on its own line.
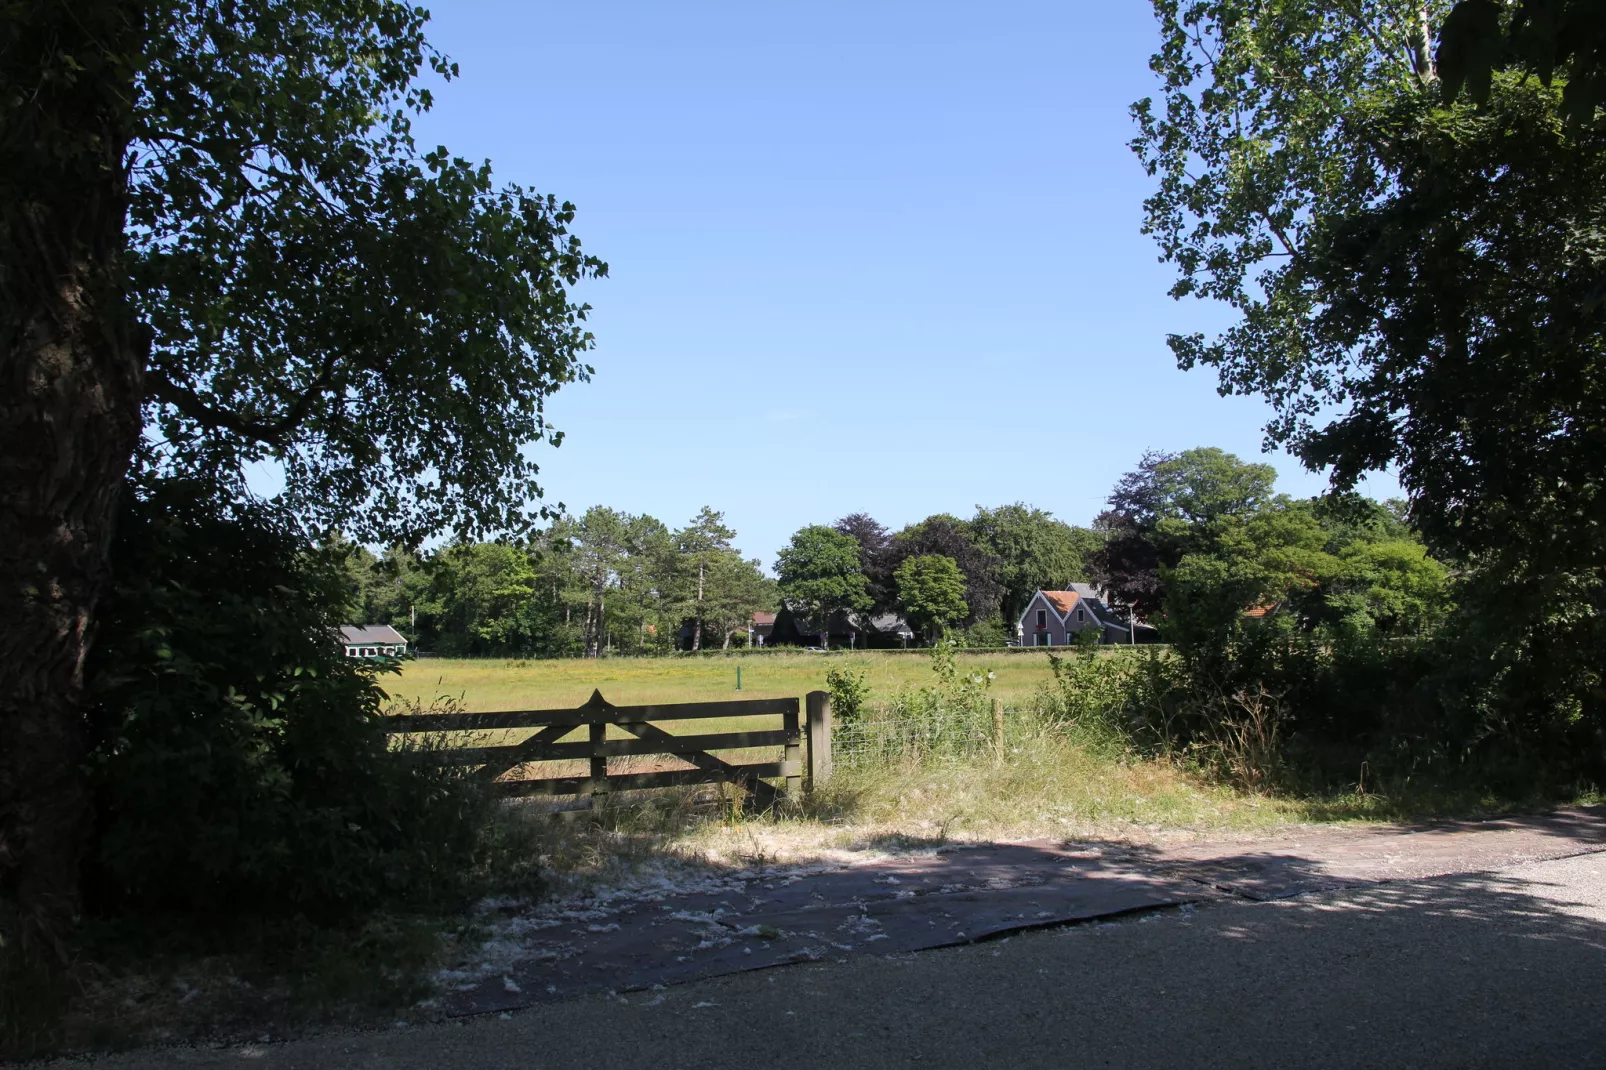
point(487, 685)
point(1047, 782)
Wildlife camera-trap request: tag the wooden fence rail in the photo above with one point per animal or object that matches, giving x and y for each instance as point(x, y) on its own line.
point(597, 715)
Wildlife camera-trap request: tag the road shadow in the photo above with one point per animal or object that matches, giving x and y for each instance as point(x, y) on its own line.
point(699, 922)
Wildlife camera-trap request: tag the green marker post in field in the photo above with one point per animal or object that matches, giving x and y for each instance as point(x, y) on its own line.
point(738, 677)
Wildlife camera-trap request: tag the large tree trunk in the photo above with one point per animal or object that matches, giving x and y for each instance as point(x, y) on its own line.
point(70, 395)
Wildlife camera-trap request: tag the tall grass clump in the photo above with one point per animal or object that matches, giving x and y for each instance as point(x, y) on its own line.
point(949, 717)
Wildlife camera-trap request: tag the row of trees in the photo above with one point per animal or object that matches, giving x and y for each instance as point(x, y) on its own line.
point(1190, 541)
point(941, 571)
point(605, 580)
point(613, 581)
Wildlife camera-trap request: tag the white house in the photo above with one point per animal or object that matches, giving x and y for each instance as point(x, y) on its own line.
point(372, 641)
point(1053, 617)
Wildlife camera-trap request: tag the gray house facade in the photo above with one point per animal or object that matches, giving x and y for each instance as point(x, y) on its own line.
point(1053, 618)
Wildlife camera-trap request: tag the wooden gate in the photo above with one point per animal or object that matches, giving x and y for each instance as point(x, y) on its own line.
point(644, 738)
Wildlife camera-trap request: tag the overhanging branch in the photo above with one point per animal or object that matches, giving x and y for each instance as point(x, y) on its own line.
point(268, 432)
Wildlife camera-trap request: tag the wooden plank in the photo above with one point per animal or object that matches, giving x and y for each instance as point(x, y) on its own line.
point(670, 778)
point(762, 792)
point(519, 753)
point(529, 750)
point(681, 711)
point(722, 741)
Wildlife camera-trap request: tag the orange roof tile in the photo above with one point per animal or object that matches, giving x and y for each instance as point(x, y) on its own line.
point(1062, 601)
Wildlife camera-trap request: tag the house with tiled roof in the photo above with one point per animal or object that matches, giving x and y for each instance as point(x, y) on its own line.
point(1053, 618)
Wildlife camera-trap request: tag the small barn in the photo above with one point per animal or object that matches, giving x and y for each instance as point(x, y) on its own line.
point(760, 628)
point(372, 641)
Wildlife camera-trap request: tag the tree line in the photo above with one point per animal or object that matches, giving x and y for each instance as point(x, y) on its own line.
point(612, 581)
point(605, 581)
point(1195, 533)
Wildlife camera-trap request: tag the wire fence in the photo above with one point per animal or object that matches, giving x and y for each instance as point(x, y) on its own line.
point(913, 732)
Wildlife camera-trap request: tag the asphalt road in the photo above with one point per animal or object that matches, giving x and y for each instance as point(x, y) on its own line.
point(1502, 969)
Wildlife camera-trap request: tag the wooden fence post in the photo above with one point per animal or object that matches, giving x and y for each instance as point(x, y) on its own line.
point(998, 727)
point(793, 754)
point(819, 713)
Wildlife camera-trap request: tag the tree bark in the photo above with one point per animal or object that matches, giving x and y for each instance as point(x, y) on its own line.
point(70, 397)
point(697, 627)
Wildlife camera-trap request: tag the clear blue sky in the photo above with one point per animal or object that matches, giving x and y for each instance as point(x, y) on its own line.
point(870, 256)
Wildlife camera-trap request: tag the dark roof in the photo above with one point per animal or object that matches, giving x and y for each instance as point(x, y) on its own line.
point(376, 634)
point(891, 624)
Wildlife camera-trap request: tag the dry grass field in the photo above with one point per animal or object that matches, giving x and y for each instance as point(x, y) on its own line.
point(484, 685)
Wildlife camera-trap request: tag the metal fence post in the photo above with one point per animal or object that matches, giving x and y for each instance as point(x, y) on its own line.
point(819, 714)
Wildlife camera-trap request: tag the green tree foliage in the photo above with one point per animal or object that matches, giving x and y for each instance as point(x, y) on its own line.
point(931, 590)
point(215, 224)
point(482, 599)
point(1171, 504)
point(950, 537)
point(1539, 37)
point(734, 589)
point(1419, 285)
point(238, 761)
point(607, 580)
point(699, 544)
point(819, 573)
point(1034, 551)
point(381, 321)
point(875, 546)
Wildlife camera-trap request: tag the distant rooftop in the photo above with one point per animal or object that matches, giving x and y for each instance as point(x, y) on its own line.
point(371, 634)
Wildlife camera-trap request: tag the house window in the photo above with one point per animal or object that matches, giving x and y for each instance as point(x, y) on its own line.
point(1042, 619)
point(1081, 615)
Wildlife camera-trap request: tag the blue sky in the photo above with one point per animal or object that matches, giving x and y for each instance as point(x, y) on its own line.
point(869, 256)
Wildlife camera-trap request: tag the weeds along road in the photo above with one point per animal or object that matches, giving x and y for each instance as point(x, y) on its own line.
point(1497, 969)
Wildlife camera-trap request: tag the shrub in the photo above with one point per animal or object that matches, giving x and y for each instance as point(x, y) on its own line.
point(239, 763)
point(849, 691)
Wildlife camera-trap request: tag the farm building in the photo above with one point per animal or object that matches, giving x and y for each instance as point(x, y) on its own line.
point(1052, 618)
point(759, 627)
point(372, 641)
point(844, 630)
